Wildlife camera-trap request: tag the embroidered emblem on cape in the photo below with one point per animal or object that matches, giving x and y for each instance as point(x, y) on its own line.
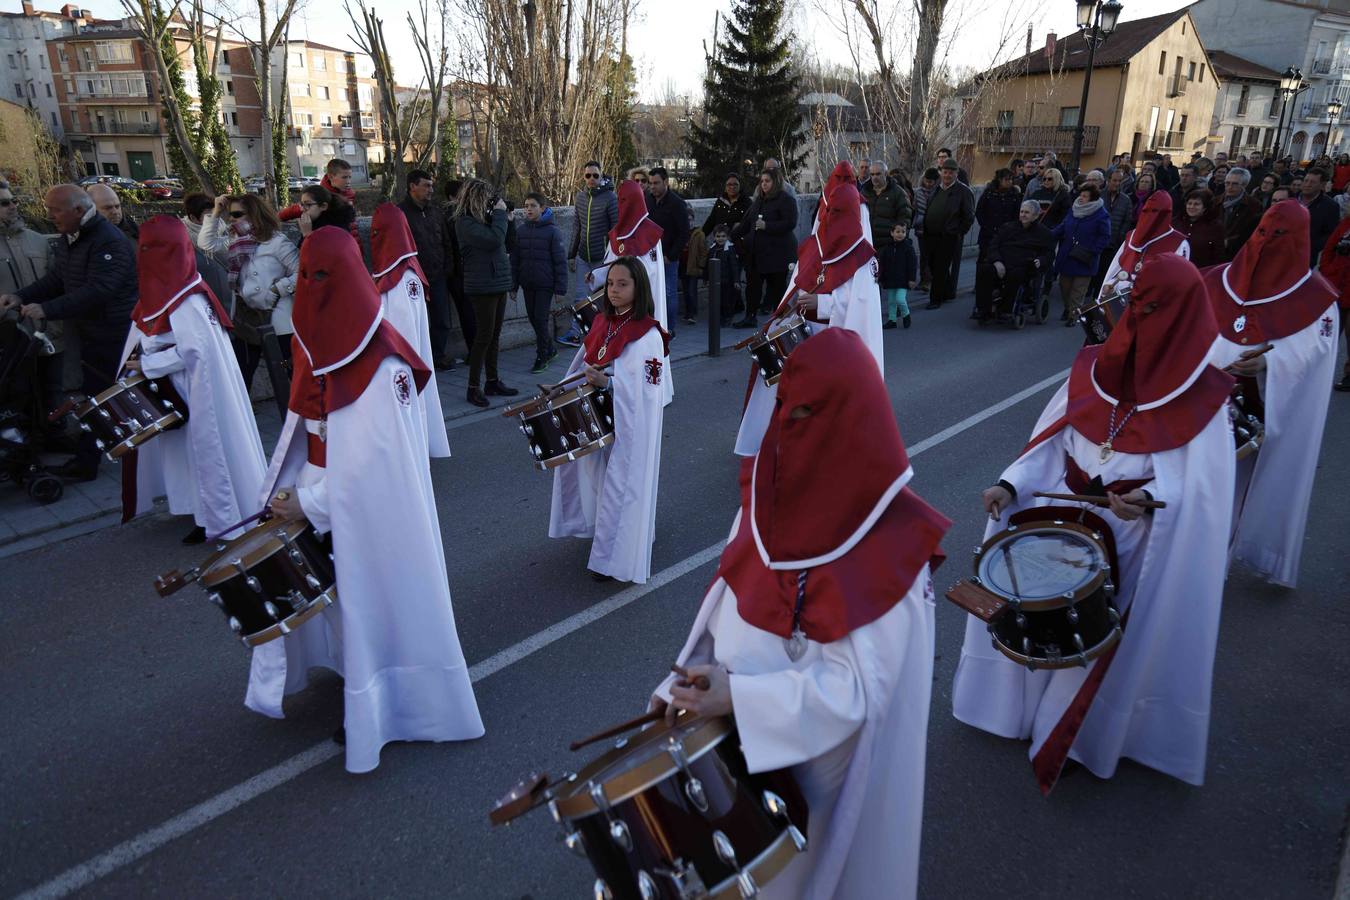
point(211, 315)
point(652, 255)
point(1239, 323)
point(1326, 326)
point(653, 367)
point(403, 386)
point(414, 289)
point(876, 269)
point(928, 592)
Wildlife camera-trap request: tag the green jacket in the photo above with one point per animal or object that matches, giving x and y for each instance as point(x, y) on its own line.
point(886, 209)
point(482, 252)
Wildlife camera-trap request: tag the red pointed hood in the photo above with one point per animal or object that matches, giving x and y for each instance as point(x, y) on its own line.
point(1152, 236)
point(392, 249)
point(838, 247)
point(1275, 257)
point(843, 174)
point(167, 269)
point(861, 533)
point(635, 234)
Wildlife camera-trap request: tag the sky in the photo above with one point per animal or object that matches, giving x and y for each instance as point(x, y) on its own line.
point(668, 46)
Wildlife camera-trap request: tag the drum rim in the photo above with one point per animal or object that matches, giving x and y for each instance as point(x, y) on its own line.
point(1071, 661)
point(117, 387)
point(311, 609)
point(212, 576)
point(540, 404)
point(786, 325)
point(574, 800)
point(553, 462)
point(155, 428)
point(1059, 601)
point(766, 866)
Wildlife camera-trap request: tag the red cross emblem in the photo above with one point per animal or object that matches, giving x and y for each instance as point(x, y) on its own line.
point(1326, 326)
point(653, 368)
point(403, 387)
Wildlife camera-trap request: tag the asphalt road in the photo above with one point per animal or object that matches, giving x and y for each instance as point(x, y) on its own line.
point(129, 766)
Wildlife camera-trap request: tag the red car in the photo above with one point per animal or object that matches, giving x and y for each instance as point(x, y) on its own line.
point(164, 188)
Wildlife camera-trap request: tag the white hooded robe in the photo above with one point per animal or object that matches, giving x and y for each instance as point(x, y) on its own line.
point(405, 307)
point(653, 262)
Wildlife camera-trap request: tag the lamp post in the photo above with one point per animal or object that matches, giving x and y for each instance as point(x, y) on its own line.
point(1290, 84)
point(1333, 113)
point(1096, 19)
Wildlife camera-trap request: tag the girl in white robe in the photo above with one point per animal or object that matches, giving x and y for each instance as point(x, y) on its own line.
point(817, 634)
point(1267, 296)
point(1142, 415)
point(211, 468)
point(403, 296)
point(610, 495)
point(361, 474)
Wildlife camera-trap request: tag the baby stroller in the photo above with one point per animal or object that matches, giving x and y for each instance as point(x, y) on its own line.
point(23, 420)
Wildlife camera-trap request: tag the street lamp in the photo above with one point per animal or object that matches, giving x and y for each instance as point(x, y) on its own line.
point(1333, 113)
point(1291, 83)
point(1096, 19)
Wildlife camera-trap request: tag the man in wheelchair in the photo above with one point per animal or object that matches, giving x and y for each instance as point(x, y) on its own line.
point(1018, 256)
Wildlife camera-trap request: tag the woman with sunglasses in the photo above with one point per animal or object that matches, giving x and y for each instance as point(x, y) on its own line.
point(262, 263)
point(319, 207)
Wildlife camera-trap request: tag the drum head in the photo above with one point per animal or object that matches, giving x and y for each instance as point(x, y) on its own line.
point(1041, 563)
point(257, 543)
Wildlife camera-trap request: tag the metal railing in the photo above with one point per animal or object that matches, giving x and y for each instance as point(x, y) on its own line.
point(1169, 140)
point(1058, 138)
point(118, 128)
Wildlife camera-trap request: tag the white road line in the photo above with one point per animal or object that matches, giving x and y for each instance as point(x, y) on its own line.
point(86, 873)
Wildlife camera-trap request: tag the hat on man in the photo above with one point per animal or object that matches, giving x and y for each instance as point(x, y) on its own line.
point(949, 163)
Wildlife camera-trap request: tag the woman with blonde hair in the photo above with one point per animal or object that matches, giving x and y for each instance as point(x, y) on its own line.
point(480, 227)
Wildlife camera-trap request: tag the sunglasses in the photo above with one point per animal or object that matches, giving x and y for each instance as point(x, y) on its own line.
point(237, 214)
point(590, 175)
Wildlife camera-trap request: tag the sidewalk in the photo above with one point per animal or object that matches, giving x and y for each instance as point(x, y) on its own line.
point(88, 507)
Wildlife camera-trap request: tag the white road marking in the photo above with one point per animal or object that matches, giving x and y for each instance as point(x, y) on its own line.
point(86, 873)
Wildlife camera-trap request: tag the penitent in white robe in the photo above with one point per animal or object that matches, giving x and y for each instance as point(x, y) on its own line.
point(850, 719)
point(1153, 705)
point(405, 307)
point(653, 262)
point(856, 305)
point(211, 468)
point(391, 634)
point(610, 494)
point(1114, 273)
point(1274, 488)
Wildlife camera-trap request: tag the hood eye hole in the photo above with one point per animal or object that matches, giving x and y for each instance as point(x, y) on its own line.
point(321, 275)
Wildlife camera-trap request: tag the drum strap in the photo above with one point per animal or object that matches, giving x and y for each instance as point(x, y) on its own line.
point(317, 450)
point(1079, 482)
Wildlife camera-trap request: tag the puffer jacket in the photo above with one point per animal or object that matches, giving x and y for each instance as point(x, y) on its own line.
point(1092, 233)
point(275, 262)
point(92, 279)
point(597, 211)
point(541, 262)
point(483, 257)
point(885, 209)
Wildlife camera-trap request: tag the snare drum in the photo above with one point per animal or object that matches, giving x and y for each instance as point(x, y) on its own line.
point(673, 813)
point(1045, 586)
point(1247, 414)
point(568, 426)
point(770, 349)
point(268, 581)
point(131, 412)
point(585, 310)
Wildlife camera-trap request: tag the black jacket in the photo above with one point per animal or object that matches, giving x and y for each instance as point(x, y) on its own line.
point(483, 258)
point(427, 225)
point(1017, 247)
point(899, 265)
point(951, 211)
point(92, 279)
point(672, 214)
point(1323, 216)
point(774, 248)
point(726, 212)
point(995, 209)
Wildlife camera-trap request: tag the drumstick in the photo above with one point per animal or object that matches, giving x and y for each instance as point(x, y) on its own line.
point(1098, 501)
point(264, 512)
point(698, 681)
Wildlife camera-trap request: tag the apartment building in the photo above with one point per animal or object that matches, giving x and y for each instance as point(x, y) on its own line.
point(25, 68)
point(1246, 114)
point(332, 104)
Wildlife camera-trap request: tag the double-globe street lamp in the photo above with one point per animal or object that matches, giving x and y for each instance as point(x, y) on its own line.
point(1334, 107)
point(1096, 19)
point(1291, 85)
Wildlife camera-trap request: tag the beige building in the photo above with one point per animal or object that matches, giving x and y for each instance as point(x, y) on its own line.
point(333, 105)
point(1153, 91)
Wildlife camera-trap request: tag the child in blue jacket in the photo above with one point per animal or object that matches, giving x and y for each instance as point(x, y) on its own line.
point(541, 264)
point(899, 272)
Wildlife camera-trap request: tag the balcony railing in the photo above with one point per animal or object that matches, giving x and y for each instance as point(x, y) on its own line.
point(1169, 140)
point(1322, 66)
point(85, 94)
point(1058, 138)
point(118, 128)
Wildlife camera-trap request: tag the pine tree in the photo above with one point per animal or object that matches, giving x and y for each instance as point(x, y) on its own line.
point(750, 98)
point(178, 162)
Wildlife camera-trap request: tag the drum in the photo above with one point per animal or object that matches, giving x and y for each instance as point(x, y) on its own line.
point(1099, 318)
point(268, 581)
point(672, 813)
point(1247, 413)
point(564, 427)
point(131, 412)
point(1045, 587)
point(770, 349)
point(585, 310)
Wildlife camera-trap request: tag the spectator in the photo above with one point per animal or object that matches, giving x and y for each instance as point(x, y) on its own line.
point(1283, 172)
point(638, 174)
point(997, 206)
point(1341, 174)
point(195, 208)
point(454, 270)
point(1168, 176)
point(1127, 179)
point(945, 154)
point(950, 214)
point(899, 272)
point(1335, 267)
point(887, 204)
point(597, 211)
point(769, 232)
point(1280, 194)
point(1265, 192)
point(541, 274)
point(109, 204)
point(864, 171)
point(92, 281)
point(1144, 186)
point(1187, 182)
point(426, 221)
point(1323, 213)
point(692, 263)
point(1199, 221)
point(209, 266)
point(261, 265)
point(321, 207)
point(724, 251)
point(927, 185)
point(728, 210)
point(771, 165)
point(1120, 208)
point(1019, 253)
point(480, 226)
point(1204, 170)
point(1082, 236)
point(1050, 161)
point(1216, 179)
point(1054, 198)
point(337, 179)
point(1241, 212)
point(668, 209)
point(1029, 180)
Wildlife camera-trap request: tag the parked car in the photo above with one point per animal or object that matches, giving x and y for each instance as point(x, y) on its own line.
point(295, 183)
point(164, 188)
point(255, 185)
point(116, 181)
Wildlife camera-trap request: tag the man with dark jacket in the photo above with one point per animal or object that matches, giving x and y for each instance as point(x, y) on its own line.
point(92, 281)
point(668, 209)
point(1120, 207)
point(1241, 213)
point(949, 215)
point(1323, 212)
point(597, 211)
point(109, 206)
point(1187, 181)
point(1019, 253)
point(427, 224)
point(887, 204)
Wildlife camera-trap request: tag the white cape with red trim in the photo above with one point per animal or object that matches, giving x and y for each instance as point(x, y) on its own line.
point(610, 495)
point(850, 719)
point(1295, 388)
point(213, 466)
point(405, 307)
point(1153, 705)
point(653, 261)
point(1115, 273)
point(391, 634)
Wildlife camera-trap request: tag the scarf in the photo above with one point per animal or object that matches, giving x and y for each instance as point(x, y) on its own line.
point(1082, 210)
point(242, 247)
